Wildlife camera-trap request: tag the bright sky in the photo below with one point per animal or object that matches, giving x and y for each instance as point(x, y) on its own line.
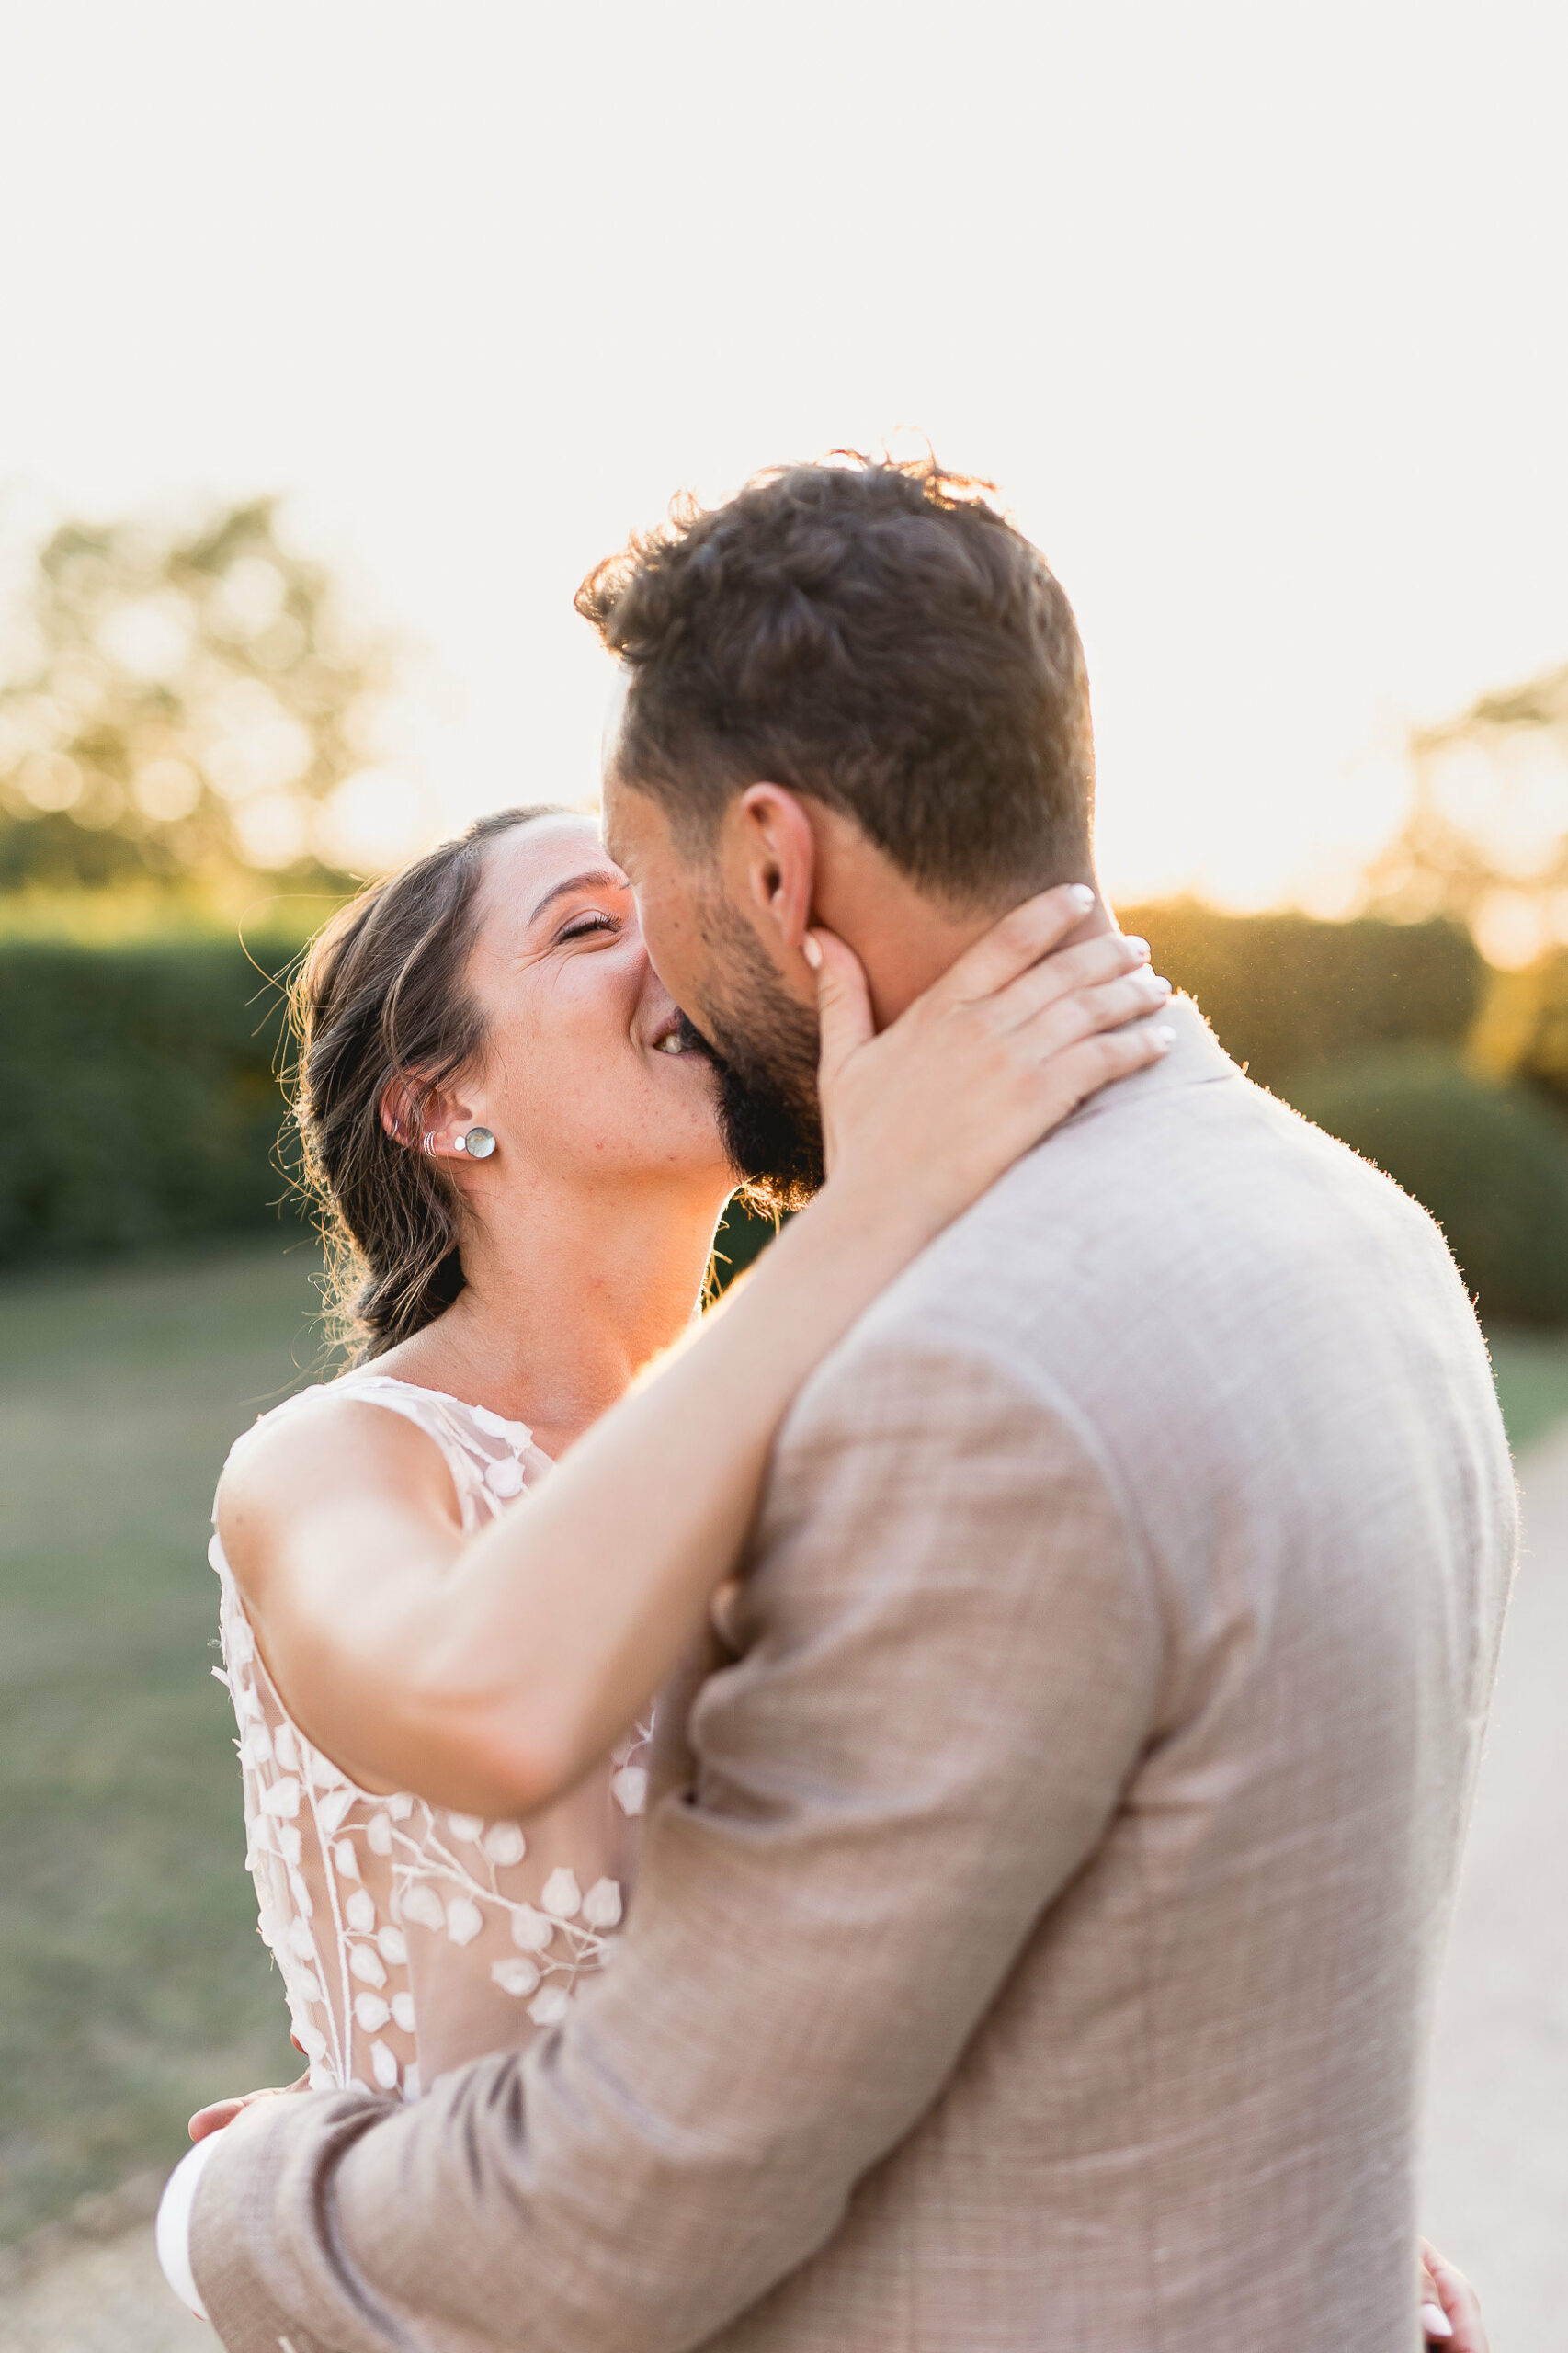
point(1258, 314)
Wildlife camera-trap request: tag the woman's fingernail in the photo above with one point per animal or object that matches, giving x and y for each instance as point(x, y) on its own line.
point(1139, 946)
point(1165, 1036)
point(1435, 2321)
point(811, 953)
point(1161, 985)
point(1083, 898)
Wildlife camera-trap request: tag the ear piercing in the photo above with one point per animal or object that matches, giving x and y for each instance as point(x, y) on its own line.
point(475, 1143)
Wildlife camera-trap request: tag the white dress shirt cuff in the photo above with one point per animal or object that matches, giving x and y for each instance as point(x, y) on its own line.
point(173, 2233)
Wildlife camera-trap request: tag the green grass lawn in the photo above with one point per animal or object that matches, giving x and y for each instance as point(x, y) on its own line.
point(133, 1983)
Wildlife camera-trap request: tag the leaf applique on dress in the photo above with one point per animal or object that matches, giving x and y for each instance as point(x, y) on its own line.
point(422, 1905)
point(518, 1977)
point(465, 1920)
point(531, 1931)
point(601, 1905)
point(332, 1807)
point(505, 1844)
point(561, 1894)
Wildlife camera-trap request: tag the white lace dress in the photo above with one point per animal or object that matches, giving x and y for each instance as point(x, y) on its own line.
point(409, 1938)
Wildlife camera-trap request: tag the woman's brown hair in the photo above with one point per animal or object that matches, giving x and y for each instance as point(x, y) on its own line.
point(380, 997)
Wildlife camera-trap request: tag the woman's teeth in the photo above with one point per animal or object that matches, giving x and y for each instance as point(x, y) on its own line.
point(674, 1044)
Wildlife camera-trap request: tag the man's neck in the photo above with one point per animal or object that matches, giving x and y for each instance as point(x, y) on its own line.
point(905, 938)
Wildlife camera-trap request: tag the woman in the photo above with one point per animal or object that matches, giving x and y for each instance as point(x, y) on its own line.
point(442, 1702)
point(519, 1155)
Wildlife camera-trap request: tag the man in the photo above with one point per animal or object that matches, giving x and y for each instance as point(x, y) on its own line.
point(1035, 1946)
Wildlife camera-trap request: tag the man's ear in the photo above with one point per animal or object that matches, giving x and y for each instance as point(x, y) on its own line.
point(776, 841)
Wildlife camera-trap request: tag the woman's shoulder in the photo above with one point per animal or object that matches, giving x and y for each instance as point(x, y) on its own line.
point(363, 1385)
point(363, 1417)
point(301, 1415)
point(324, 1451)
point(331, 1425)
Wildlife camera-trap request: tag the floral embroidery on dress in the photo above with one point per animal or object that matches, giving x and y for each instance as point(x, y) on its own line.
point(381, 1909)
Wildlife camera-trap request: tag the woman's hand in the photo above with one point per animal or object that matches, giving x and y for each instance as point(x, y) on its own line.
point(1450, 2309)
point(995, 1054)
point(223, 2112)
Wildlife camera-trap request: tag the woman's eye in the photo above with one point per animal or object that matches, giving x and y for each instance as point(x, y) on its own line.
point(584, 924)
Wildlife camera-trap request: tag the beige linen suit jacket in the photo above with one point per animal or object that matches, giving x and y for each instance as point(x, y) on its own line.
point(1041, 1959)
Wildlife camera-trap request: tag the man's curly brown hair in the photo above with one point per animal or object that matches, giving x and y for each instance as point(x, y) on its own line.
point(873, 632)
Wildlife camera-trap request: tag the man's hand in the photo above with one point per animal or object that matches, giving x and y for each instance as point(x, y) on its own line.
point(1450, 2309)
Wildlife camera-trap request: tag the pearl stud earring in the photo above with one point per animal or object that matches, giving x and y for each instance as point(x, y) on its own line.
point(478, 1143)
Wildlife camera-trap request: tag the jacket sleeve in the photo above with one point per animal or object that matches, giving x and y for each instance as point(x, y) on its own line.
point(949, 1662)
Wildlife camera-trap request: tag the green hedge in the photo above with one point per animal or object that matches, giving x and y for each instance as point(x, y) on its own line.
point(141, 1103)
point(1489, 1161)
point(1360, 1025)
point(142, 1106)
point(1287, 994)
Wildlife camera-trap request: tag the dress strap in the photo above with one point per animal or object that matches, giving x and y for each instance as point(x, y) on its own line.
point(490, 1458)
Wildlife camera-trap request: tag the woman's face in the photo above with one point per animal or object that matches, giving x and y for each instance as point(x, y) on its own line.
point(579, 1079)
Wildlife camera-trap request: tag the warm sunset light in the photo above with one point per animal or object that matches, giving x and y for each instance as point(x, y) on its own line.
point(784, 1175)
point(1249, 312)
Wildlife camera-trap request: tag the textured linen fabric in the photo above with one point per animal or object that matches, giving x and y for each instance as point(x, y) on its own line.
point(1039, 1959)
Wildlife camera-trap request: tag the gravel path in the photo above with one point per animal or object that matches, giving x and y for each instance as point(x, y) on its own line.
point(1497, 2148)
point(93, 2286)
point(107, 2299)
point(1496, 2193)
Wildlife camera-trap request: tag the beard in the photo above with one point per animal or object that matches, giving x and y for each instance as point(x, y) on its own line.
point(764, 1048)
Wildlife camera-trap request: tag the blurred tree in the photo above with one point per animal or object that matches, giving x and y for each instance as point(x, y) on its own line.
point(181, 704)
point(1486, 842)
point(1522, 1031)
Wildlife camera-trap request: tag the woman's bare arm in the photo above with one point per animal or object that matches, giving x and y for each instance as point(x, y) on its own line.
point(491, 1673)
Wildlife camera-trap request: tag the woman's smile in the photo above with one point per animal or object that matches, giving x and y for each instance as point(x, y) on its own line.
point(677, 1036)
